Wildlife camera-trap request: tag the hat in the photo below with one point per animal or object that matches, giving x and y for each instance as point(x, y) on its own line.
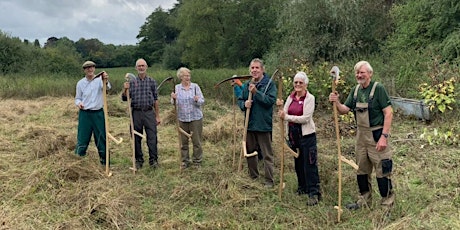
point(88, 64)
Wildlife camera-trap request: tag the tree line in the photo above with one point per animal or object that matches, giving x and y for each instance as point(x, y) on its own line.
point(404, 35)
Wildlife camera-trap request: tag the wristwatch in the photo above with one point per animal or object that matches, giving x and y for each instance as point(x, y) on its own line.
point(386, 135)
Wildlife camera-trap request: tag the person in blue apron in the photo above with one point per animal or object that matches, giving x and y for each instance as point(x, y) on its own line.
point(371, 105)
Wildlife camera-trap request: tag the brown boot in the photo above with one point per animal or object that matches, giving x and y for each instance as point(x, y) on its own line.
point(388, 201)
point(364, 200)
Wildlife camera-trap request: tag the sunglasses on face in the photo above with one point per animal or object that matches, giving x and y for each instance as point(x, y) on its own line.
point(298, 83)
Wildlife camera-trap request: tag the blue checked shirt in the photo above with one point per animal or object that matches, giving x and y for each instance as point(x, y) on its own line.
point(187, 108)
point(143, 93)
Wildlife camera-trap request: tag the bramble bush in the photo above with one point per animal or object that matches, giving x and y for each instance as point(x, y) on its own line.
point(440, 94)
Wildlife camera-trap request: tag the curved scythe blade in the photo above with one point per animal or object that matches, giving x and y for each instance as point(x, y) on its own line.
point(130, 76)
point(234, 77)
point(162, 82)
point(335, 73)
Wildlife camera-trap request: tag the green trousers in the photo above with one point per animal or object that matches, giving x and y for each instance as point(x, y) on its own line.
point(91, 122)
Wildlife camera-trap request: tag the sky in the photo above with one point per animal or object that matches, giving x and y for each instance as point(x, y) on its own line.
point(115, 22)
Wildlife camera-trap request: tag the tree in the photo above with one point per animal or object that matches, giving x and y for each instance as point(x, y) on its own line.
point(332, 29)
point(219, 33)
point(421, 24)
point(37, 43)
point(12, 54)
point(154, 35)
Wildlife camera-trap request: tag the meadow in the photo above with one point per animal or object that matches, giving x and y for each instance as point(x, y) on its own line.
point(46, 186)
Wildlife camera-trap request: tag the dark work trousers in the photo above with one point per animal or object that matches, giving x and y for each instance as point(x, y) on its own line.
point(145, 120)
point(89, 122)
point(196, 128)
point(306, 165)
point(263, 140)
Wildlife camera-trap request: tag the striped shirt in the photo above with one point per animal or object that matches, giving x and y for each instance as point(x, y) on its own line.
point(187, 108)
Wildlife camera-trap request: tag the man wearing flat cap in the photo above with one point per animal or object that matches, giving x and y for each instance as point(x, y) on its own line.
point(89, 100)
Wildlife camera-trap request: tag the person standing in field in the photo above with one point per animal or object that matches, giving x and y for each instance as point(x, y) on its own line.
point(189, 99)
point(90, 102)
point(298, 116)
point(145, 112)
point(371, 105)
point(237, 90)
point(260, 123)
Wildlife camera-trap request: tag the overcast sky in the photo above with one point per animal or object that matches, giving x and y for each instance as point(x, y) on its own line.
point(111, 21)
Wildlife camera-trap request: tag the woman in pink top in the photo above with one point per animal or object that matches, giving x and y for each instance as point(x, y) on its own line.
point(298, 116)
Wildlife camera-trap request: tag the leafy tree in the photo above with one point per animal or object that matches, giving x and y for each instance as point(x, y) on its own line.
point(91, 49)
point(424, 31)
point(226, 33)
point(331, 30)
point(250, 30)
point(37, 43)
point(12, 54)
point(201, 30)
point(50, 42)
point(123, 55)
point(171, 57)
point(154, 35)
point(421, 24)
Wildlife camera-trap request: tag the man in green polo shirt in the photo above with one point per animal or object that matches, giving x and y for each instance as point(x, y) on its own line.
point(371, 106)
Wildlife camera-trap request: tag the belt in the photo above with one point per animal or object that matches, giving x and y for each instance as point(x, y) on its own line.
point(91, 111)
point(143, 109)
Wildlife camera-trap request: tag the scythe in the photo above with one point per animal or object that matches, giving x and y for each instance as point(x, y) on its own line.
point(107, 132)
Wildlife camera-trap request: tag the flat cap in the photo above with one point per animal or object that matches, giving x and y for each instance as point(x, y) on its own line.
point(88, 64)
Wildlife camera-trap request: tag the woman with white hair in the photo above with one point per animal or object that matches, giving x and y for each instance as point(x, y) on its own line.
point(189, 99)
point(298, 116)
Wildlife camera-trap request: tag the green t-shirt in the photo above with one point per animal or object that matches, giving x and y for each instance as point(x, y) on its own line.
point(380, 101)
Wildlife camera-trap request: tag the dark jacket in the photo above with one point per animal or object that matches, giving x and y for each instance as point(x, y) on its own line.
point(261, 114)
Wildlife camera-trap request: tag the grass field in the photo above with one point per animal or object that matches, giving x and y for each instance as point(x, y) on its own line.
point(45, 186)
point(57, 85)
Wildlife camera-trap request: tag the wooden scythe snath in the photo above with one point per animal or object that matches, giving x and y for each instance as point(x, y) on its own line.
point(128, 77)
point(244, 152)
point(234, 77)
point(234, 129)
point(282, 131)
point(335, 78)
point(108, 136)
point(178, 128)
point(245, 134)
point(179, 146)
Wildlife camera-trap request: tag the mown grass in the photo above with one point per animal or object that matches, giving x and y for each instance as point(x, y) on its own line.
point(45, 186)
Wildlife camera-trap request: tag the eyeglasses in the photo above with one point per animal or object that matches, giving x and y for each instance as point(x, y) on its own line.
point(87, 67)
point(298, 83)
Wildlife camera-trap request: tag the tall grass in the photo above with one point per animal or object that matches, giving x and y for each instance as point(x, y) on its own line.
point(57, 85)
